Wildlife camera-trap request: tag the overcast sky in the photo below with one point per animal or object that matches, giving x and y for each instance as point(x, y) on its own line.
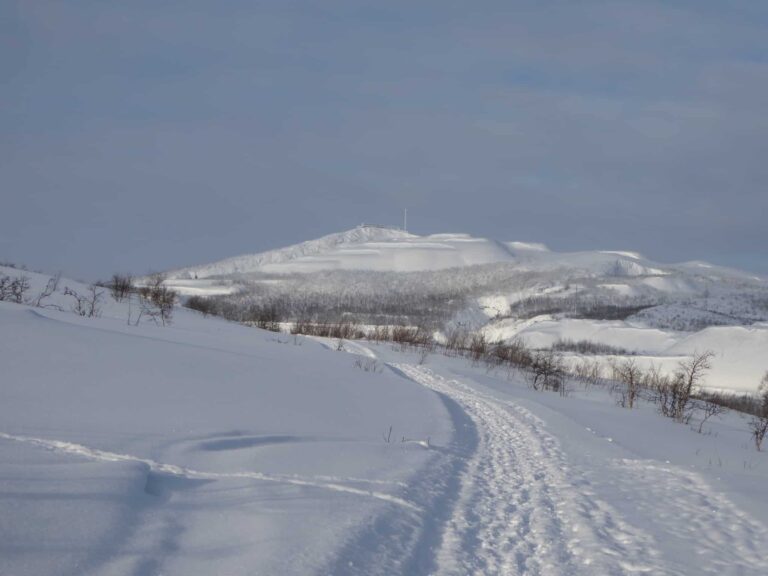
point(148, 135)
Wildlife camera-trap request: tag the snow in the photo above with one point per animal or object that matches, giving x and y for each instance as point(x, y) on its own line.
point(667, 284)
point(623, 289)
point(200, 287)
point(386, 249)
point(206, 447)
point(625, 253)
point(192, 449)
point(253, 262)
point(542, 332)
point(741, 353)
point(527, 246)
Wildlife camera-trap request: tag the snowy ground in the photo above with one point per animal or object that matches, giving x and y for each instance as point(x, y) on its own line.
point(203, 448)
point(511, 289)
point(210, 448)
point(739, 363)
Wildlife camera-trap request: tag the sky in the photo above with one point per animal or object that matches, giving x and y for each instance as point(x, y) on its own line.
point(148, 135)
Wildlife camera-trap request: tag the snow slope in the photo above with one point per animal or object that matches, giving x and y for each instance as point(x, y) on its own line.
point(387, 249)
point(202, 448)
point(741, 353)
point(211, 448)
point(522, 289)
point(362, 248)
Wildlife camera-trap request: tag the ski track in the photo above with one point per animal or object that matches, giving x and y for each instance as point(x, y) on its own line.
point(720, 537)
point(324, 482)
point(521, 509)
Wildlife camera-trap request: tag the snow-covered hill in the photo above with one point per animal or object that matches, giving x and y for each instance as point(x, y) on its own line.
point(394, 250)
point(207, 447)
point(506, 290)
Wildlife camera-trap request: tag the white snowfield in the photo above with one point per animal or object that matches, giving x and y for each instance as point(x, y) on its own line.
point(394, 250)
point(210, 448)
point(741, 352)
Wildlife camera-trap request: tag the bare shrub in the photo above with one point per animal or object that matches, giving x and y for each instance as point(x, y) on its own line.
point(588, 347)
point(14, 289)
point(746, 403)
point(204, 305)
point(547, 371)
point(382, 334)
point(631, 376)
point(156, 300)
point(512, 353)
point(412, 336)
point(576, 306)
point(758, 425)
point(588, 371)
point(50, 288)
point(5, 287)
point(456, 341)
point(369, 365)
point(88, 304)
point(709, 409)
point(478, 346)
point(120, 286)
point(674, 394)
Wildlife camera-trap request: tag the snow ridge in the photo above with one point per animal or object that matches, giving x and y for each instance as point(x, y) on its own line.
point(252, 262)
point(325, 482)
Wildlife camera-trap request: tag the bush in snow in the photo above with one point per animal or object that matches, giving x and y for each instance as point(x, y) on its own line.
point(50, 288)
point(676, 393)
point(588, 347)
point(632, 377)
point(14, 289)
point(120, 286)
point(156, 300)
point(759, 423)
point(589, 371)
point(203, 305)
point(547, 371)
point(88, 304)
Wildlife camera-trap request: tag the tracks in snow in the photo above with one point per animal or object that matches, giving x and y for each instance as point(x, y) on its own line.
point(716, 535)
point(519, 507)
point(521, 510)
point(332, 483)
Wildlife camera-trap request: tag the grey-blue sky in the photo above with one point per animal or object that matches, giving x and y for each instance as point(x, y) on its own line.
point(138, 135)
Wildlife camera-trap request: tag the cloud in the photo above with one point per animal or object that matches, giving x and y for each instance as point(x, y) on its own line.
point(210, 130)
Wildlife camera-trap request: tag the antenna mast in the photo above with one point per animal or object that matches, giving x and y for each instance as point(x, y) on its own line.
point(405, 219)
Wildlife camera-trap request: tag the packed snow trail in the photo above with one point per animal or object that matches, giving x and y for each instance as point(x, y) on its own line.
point(523, 509)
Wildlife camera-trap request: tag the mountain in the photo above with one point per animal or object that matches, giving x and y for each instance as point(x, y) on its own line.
point(362, 248)
point(393, 250)
point(381, 249)
point(505, 290)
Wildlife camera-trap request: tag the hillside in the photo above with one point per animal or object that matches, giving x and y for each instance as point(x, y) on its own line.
point(505, 290)
point(207, 447)
point(393, 250)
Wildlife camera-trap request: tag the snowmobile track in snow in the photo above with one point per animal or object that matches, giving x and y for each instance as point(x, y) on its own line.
point(521, 510)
